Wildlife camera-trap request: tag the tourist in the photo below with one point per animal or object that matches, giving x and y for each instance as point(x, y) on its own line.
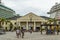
point(30, 30)
point(22, 31)
point(41, 29)
point(46, 28)
point(17, 33)
point(57, 30)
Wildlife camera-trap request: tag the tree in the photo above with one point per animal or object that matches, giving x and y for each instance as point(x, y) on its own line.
point(2, 20)
point(55, 21)
point(11, 26)
point(50, 21)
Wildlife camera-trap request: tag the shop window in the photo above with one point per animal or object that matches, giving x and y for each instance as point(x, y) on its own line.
point(6, 23)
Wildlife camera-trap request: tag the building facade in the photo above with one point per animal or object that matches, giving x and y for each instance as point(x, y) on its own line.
point(55, 11)
point(5, 13)
point(27, 22)
point(30, 21)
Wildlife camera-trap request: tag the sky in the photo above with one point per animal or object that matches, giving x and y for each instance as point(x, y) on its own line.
point(23, 7)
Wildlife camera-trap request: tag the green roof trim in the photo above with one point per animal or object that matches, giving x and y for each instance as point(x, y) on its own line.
point(6, 7)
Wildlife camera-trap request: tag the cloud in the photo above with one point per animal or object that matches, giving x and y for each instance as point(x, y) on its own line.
point(36, 11)
point(19, 5)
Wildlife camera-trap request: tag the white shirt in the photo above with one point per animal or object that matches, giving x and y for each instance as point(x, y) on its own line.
point(17, 31)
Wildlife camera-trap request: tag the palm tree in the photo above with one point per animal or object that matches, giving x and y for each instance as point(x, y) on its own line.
point(2, 20)
point(55, 21)
point(0, 24)
point(50, 21)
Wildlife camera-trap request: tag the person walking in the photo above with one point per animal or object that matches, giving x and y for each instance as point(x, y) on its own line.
point(41, 29)
point(57, 30)
point(22, 31)
point(30, 31)
point(17, 33)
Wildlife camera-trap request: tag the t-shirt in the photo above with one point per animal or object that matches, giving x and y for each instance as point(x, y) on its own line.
point(17, 31)
point(22, 31)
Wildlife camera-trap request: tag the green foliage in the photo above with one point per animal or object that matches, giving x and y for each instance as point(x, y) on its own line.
point(52, 20)
point(2, 20)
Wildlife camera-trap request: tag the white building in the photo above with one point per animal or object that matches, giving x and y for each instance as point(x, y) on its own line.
point(55, 11)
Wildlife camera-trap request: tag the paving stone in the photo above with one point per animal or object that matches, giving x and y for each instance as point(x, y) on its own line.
point(28, 36)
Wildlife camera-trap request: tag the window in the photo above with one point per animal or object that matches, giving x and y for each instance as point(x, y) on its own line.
point(58, 22)
point(15, 23)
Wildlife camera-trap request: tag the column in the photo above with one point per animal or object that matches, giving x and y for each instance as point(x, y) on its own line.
point(4, 25)
point(27, 26)
point(34, 26)
point(20, 25)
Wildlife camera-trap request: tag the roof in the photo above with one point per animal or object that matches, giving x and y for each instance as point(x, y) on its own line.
point(49, 24)
point(55, 8)
point(30, 17)
point(6, 7)
point(6, 12)
point(14, 18)
point(46, 18)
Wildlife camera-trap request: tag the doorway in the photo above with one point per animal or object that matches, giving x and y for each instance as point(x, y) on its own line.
point(37, 29)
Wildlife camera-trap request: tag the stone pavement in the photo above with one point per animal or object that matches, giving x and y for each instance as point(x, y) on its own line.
point(28, 36)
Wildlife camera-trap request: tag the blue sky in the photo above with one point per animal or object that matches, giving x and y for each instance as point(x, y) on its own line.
point(22, 7)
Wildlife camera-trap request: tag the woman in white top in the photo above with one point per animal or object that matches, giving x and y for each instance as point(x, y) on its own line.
point(17, 33)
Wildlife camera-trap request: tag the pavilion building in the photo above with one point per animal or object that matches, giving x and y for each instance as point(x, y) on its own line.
point(28, 21)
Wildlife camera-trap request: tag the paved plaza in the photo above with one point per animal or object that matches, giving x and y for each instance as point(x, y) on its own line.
point(28, 36)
